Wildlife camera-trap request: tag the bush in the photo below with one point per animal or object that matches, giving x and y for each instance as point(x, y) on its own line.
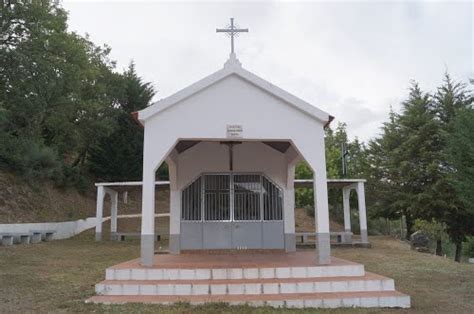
point(28, 158)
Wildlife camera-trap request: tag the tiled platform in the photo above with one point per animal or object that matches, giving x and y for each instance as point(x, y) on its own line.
point(257, 278)
point(235, 259)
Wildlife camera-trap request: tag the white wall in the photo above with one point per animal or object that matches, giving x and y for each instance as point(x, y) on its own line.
point(233, 100)
point(247, 157)
point(64, 230)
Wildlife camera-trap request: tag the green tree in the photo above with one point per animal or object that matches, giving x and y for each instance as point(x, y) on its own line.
point(383, 173)
point(57, 90)
point(119, 156)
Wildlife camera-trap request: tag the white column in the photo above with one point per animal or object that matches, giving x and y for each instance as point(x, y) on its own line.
point(289, 210)
point(321, 214)
point(99, 212)
point(148, 218)
point(311, 147)
point(113, 212)
point(362, 212)
point(346, 192)
point(175, 205)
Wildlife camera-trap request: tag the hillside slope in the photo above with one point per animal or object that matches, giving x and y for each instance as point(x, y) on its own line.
point(43, 202)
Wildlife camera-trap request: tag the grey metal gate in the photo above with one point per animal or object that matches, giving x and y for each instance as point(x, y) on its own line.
point(232, 210)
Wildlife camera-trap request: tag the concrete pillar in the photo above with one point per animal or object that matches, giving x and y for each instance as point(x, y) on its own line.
point(113, 213)
point(312, 149)
point(99, 212)
point(362, 212)
point(346, 192)
point(289, 210)
point(147, 245)
point(175, 205)
point(321, 215)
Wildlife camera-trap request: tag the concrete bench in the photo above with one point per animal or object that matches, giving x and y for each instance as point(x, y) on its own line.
point(7, 239)
point(10, 238)
point(44, 235)
point(341, 237)
point(120, 236)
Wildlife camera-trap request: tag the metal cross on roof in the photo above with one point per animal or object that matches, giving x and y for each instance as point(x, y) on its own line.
point(232, 30)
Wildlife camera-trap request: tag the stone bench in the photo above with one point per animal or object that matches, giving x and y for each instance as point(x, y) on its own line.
point(341, 237)
point(7, 239)
point(42, 235)
point(120, 236)
point(10, 238)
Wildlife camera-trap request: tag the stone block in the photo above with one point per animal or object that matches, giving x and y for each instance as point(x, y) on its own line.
point(110, 274)
point(355, 285)
point(122, 274)
point(323, 286)
point(236, 288)
point(350, 302)
point(36, 237)
point(202, 274)
point(313, 303)
point(219, 273)
point(235, 273)
point(267, 272)
point(250, 273)
point(182, 289)
point(314, 271)
point(332, 303)
point(147, 289)
point(200, 289)
point(283, 272)
point(218, 289)
point(271, 288)
point(288, 287)
point(164, 289)
point(298, 272)
point(373, 285)
point(369, 301)
point(339, 286)
point(305, 287)
point(155, 274)
point(275, 303)
point(130, 289)
point(186, 274)
point(138, 274)
point(253, 288)
point(388, 285)
point(297, 304)
point(7, 240)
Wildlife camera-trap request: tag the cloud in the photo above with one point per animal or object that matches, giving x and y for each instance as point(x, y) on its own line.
point(352, 59)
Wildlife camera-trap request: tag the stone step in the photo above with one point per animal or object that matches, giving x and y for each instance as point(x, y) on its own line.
point(293, 300)
point(122, 273)
point(368, 282)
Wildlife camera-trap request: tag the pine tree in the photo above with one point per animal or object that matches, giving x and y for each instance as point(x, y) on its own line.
point(453, 99)
point(119, 156)
point(383, 175)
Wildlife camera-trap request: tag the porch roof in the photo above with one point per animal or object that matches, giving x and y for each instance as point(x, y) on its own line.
point(299, 183)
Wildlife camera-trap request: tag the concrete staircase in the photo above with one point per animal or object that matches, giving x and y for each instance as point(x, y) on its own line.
point(343, 285)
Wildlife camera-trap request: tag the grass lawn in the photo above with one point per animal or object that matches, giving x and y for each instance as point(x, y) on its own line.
point(58, 276)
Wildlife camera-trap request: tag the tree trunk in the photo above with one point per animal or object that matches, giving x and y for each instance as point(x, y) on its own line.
point(457, 254)
point(409, 225)
point(439, 247)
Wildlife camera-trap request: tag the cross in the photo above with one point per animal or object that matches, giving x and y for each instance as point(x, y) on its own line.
point(232, 30)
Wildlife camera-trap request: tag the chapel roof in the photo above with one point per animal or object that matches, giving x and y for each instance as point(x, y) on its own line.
point(233, 67)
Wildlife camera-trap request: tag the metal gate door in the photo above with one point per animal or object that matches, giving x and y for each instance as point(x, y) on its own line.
point(240, 211)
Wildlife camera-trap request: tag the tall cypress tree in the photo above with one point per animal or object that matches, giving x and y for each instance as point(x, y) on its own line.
point(451, 100)
point(418, 157)
point(119, 157)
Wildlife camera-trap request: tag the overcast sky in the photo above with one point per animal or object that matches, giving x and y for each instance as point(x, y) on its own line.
point(351, 59)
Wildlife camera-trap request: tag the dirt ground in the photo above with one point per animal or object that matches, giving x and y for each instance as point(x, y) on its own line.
point(58, 276)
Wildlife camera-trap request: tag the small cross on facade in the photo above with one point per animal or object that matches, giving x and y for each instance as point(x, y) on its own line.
point(232, 30)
